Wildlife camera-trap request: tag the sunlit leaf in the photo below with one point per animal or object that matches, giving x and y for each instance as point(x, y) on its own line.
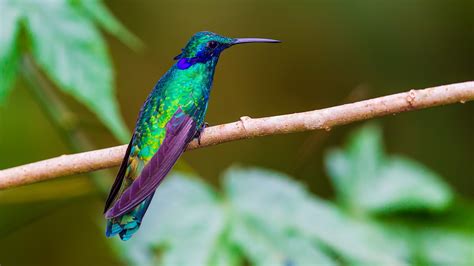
point(264, 245)
point(365, 148)
point(368, 181)
point(439, 247)
point(9, 47)
point(338, 167)
point(226, 253)
point(365, 151)
point(272, 198)
point(405, 184)
point(73, 54)
point(99, 12)
point(434, 246)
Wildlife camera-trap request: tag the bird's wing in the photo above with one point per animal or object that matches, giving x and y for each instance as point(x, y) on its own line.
point(179, 131)
point(119, 179)
point(132, 163)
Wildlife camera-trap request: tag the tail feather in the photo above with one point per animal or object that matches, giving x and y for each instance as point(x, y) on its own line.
point(127, 224)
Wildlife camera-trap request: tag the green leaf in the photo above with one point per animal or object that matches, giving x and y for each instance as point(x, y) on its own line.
point(367, 181)
point(73, 54)
point(438, 247)
point(99, 12)
point(185, 220)
point(264, 245)
point(9, 47)
point(365, 151)
point(433, 245)
point(273, 199)
point(339, 169)
point(226, 253)
point(20, 215)
point(405, 184)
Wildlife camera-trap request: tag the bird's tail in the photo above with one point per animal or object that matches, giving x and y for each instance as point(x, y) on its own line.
point(126, 225)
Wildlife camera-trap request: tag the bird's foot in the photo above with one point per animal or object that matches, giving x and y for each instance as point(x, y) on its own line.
point(199, 133)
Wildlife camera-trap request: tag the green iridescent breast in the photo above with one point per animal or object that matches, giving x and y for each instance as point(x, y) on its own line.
point(186, 89)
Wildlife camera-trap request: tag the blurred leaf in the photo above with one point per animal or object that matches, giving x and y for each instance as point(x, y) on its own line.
point(366, 180)
point(405, 184)
point(446, 248)
point(184, 219)
point(9, 47)
point(339, 169)
point(265, 246)
point(366, 153)
point(72, 53)
point(227, 253)
point(273, 199)
point(99, 12)
point(434, 246)
point(459, 216)
point(355, 169)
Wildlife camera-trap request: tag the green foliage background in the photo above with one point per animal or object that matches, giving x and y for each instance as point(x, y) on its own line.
point(374, 208)
point(265, 218)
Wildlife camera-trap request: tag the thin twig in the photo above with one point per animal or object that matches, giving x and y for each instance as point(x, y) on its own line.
point(62, 118)
point(249, 128)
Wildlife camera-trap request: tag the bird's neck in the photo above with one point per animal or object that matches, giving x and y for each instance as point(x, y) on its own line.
point(199, 75)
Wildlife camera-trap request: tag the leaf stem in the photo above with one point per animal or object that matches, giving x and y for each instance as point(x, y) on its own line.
point(63, 119)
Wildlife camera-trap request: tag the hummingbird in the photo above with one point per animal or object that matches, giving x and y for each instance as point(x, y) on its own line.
point(171, 117)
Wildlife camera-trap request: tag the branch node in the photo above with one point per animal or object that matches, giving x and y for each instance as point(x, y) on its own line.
point(411, 97)
point(244, 120)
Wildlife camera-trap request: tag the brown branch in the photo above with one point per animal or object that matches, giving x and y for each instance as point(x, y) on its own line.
point(249, 128)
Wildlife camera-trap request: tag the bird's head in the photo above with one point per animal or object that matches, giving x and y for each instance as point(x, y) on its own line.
point(206, 45)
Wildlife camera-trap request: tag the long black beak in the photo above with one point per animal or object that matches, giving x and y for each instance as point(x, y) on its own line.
point(253, 40)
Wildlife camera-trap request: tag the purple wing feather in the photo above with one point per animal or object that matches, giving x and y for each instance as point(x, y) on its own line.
point(119, 179)
point(179, 131)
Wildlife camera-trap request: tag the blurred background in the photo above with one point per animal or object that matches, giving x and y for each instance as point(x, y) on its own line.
point(333, 52)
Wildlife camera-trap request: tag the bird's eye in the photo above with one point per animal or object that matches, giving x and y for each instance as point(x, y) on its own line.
point(212, 44)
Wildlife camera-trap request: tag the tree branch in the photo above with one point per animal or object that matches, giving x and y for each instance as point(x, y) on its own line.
point(249, 128)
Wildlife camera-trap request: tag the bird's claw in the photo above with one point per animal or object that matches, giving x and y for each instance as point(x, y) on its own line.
point(199, 133)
